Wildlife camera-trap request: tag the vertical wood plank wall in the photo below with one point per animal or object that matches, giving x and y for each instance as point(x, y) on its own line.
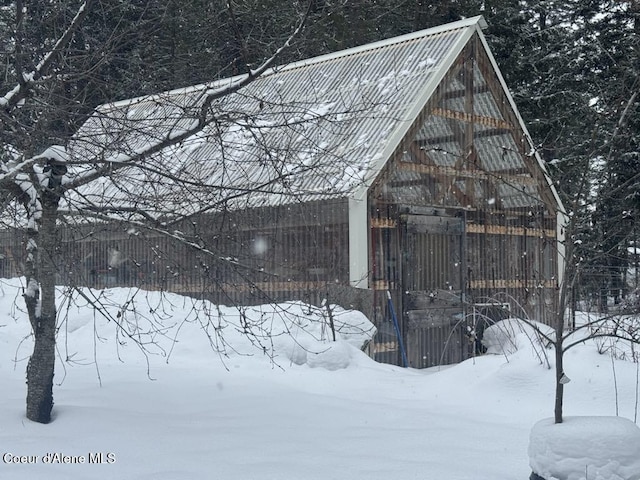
point(454, 262)
point(299, 251)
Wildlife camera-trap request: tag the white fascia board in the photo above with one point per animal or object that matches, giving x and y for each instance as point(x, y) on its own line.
point(514, 107)
point(358, 243)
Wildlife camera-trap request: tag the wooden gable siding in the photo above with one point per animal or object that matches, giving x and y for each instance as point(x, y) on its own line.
point(462, 218)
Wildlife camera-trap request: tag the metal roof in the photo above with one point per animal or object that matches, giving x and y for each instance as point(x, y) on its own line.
point(318, 128)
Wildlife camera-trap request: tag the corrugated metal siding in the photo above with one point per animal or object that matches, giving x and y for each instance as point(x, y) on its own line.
point(437, 337)
point(435, 262)
point(12, 245)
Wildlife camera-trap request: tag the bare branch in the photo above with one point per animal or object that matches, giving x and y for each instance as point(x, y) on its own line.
point(12, 98)
point(205, 117)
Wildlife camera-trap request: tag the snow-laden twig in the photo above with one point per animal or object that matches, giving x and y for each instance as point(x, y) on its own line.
point(13, 97)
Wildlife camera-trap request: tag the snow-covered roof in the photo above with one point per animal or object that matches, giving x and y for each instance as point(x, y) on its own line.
point(306, 131)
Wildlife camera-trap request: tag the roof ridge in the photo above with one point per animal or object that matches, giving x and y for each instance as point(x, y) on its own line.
point(447, 27)
point(367, 47)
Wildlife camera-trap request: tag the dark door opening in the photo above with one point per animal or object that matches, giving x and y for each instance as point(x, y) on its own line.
point(432, 285)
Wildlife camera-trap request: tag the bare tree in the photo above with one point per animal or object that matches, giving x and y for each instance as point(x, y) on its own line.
point(115, 169)
point(578, 256)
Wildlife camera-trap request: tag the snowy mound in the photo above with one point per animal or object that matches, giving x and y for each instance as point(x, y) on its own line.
point(153, 327)
point(593, 448)
point(508, 336)
point(305, 335)
point(219, 401)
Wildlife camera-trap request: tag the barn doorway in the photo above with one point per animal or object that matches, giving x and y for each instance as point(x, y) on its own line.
point(433, 289)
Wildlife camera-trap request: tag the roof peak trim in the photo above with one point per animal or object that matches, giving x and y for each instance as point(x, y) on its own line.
point(447, 27)
point(477, 21)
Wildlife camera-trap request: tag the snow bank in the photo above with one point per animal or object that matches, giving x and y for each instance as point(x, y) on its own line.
point(231, 412)
point(508, 336)
point(332, 356)
point(593, 448)
point(152, 327)
point(303, 334)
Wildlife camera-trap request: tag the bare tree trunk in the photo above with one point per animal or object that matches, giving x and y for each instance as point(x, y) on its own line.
point(559, 353)
point(567, 286)
point(41, 306)
point(40, 371)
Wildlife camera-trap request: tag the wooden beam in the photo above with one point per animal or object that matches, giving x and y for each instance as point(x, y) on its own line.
point(496, 123)
point(509, 230)
point(436, 170)
point(383, 223)
point(381, 285)
point(451, 94)
point(511, 171)
point(512, 283)
point(434, 141)
point(469, 110)
point(422, 157)
point(446, 183)
point(416, 182)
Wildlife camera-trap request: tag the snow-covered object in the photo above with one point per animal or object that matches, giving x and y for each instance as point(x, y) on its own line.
point(238, 415)
point(57, 153)
point(585, 448)
point(332, 356)
point(302, 333)
point(171, 327)
point(508, 336)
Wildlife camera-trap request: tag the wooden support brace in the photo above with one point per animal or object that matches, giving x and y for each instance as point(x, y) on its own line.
point(495, 123)
point(436, 170)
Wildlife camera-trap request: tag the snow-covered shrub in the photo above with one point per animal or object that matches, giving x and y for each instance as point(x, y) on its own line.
point(508, 336)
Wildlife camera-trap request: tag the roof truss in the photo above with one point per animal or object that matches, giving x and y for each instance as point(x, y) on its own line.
point(468, 144)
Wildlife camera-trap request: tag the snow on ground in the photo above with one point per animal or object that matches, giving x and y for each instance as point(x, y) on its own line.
point(186, 411)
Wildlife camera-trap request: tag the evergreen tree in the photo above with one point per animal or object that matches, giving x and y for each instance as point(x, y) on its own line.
point(617, 82)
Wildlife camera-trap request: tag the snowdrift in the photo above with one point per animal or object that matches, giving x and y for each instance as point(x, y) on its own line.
point(216, 391)
point(158, 326)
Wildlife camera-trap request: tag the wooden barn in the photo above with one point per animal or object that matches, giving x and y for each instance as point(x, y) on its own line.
point(395, 177)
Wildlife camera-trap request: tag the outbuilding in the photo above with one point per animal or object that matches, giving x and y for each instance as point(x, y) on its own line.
point(394, 177)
